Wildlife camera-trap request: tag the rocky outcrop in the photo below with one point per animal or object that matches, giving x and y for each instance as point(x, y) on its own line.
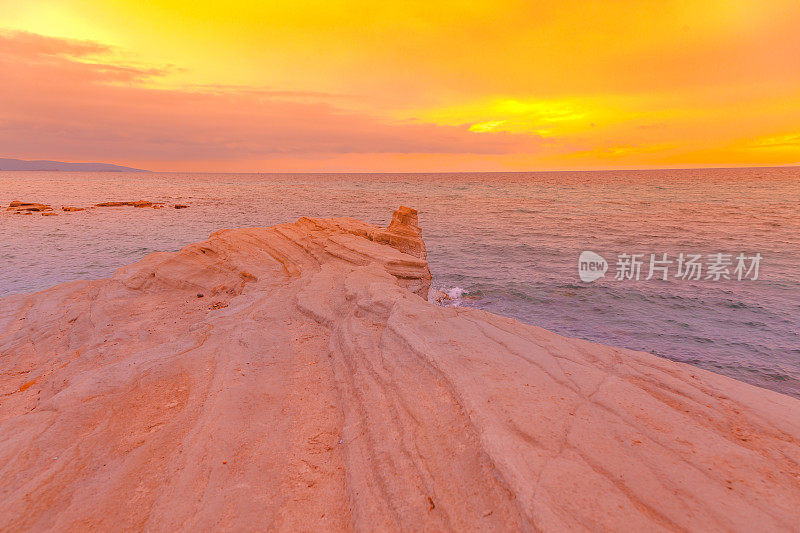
point(27, 208)
point(296, 378)
point(403, 233)
point(137, 203)
point(18, 207)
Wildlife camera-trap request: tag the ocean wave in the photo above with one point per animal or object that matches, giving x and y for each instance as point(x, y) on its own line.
point(449, 297)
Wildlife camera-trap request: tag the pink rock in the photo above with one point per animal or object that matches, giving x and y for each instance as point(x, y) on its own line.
point(316, 390)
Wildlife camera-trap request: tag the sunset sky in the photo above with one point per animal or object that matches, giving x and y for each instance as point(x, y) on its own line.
point(490, 85)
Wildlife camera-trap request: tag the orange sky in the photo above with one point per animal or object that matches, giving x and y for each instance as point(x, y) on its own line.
point(247, 85)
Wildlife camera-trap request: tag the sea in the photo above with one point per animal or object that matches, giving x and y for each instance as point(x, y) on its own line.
point(508, 243)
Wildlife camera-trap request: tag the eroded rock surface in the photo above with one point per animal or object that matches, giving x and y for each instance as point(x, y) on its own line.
point(295, 378)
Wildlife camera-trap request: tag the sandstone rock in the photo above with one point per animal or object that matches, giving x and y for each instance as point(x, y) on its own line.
point(26, 206)
point(180, 206)
point(324, 394)
point(18, 207)
point(113, 204)
point(403, 233)
point(139, 203)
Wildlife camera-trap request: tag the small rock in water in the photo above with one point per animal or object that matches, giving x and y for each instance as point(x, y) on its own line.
point(22, 207)
point(138, 203)
point(25, 208)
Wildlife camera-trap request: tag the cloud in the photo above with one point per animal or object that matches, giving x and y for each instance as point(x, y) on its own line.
point(65, 99)
point(34, 46)
point(778, 141)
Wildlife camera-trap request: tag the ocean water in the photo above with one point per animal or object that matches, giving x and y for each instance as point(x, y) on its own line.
point(506, 243)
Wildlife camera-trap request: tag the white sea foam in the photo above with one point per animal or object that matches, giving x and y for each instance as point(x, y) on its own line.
point(447, 297)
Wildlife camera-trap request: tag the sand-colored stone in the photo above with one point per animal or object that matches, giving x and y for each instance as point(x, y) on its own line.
point(138, 203)
point(21, 207)
point(294, 378)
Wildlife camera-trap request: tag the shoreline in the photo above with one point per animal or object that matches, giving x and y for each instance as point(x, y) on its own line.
point(296, 377)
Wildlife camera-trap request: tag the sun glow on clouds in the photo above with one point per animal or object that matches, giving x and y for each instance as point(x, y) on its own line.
point(540, 117)
point(356, 85)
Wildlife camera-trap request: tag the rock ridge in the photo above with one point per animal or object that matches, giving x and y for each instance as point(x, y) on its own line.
point(296, 378)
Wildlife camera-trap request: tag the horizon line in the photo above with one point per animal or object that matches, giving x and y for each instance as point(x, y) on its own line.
point(621, 169)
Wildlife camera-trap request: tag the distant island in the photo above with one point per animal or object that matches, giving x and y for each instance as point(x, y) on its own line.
point(20, 164)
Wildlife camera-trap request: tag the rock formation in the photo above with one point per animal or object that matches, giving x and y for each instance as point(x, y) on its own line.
point(27, 208)
point(18, 207)
point(296, 378)
point(138, 203)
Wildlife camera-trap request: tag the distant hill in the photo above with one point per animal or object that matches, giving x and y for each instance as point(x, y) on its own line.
point(19, 164)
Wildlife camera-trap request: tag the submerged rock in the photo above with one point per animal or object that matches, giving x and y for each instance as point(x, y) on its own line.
point(20, 207)
point(317, 389)
point(138, 203)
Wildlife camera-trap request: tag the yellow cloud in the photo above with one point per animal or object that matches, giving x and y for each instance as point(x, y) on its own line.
point(703, 82)
point(540, 117)
point(492, 125)
point(791, 140)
